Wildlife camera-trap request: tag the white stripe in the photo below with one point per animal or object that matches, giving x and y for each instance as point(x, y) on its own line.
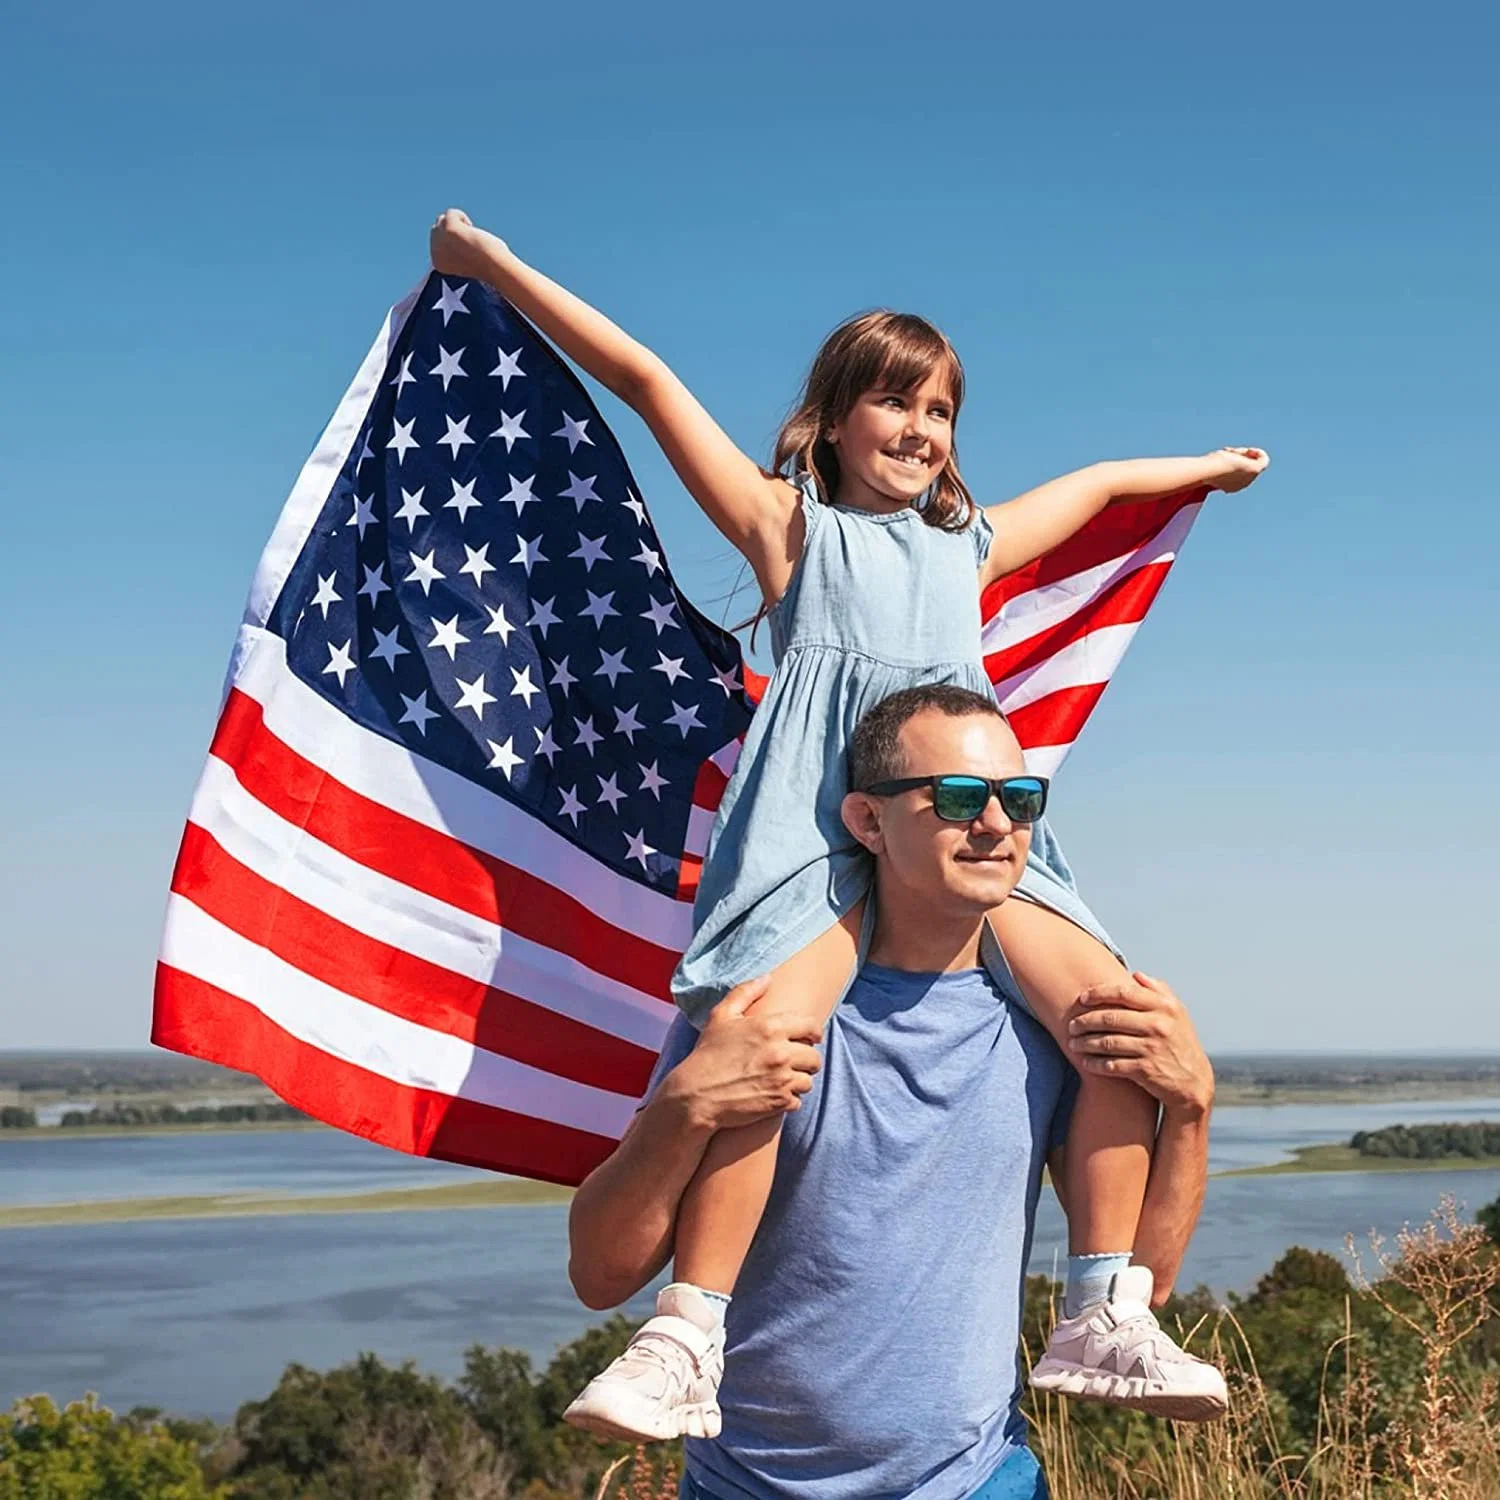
point(700, 825)
point(373, 1039)
point(1089, 660)
point(1043, 760)
point(1041, 609)
point(415, 922)
point(728, 757)
point(438, 798)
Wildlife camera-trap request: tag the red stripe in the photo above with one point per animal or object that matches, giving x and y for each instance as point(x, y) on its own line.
point(1116, 530)
point(1056, 718)
point(437, 864)
point(755, 684)
point(205, 1021)
point(398, 982)
point(708, 788)
point(1124, 602)
point(689, 873)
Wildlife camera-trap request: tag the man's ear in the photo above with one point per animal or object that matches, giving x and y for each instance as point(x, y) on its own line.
point(861, 814)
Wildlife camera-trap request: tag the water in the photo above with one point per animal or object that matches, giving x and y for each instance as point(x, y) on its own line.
point(198, 1316)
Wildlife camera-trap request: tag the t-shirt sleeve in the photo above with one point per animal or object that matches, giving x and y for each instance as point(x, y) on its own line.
point(983, 535)
point(680, 1039)
point(1062, 1113)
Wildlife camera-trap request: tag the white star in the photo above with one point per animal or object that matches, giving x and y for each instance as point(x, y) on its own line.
point(451, 301)
point(660, 615)
point(448, 636)
point(464, 499)
point(423, 571)
point(599, 607)
point(388, 647)
point(685, 718)
point(401, 439)
point(528, 553)
point(652, 780)
point(545, 744)
point(613, 665)
point(634, 506)
point(728, 679)
point(448, 368)
point(364, 515)
point(670, 667)
point(579, 491)
point(478, 563)
point(649, 558)
point(591, 550)
point(499, 625)
point(610, 792)
point(508, 369)
point(588, 736)
point(520, 494)
point(339, 661)
point(375, 584)
point(561, 676)
point(365, 451)
point(510, 429)
point(626, 723)
point(573, 432)
point(411, 508)
point(327, 595)
point(543, 616)
point(457, 434)
point(571, 805)
point(525, 687)
point(637, 847)
point(417, 711)
point(503, 757)
point(404, 376)
point(474, 696)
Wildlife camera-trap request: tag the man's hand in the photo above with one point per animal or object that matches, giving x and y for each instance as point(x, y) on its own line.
point(1136, 1028)
point(746, 1065)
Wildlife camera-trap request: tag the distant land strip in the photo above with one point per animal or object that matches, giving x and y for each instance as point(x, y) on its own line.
point(1344, 1158)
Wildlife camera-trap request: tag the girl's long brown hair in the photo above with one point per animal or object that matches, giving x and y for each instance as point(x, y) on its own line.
point(889, 350)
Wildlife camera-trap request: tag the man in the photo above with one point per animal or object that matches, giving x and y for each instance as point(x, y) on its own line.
point(874, 1327)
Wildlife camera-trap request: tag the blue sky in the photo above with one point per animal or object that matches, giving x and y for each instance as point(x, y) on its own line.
point(1149, 230)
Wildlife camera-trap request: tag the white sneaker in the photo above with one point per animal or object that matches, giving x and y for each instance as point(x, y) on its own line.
point(666, 1383)
point(1116, 1352)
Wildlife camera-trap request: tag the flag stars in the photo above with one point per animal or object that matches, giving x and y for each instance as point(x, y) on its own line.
point(587, 736)
point(543, 616)
point(571, 805)
point(684, 719)
point(545, 744)
point(404, 376)
point(599, 607)
point(340, 662)
point(652, 780)
point(450, 302)
point(728, 679)
point(508, 369)
point(520, 494)
point(610, 792)
point(633, 504)
point(463, 499)
point(499, 625)
point(417, 712)
point(365, 451)
point(591, 550)
point(364, 515)
point(573, 431)
point(561, 676)
point(448, 368)
point(402, 440)
point(326, 594)
point(612, 665)
point(424, 571)
point(388, 647)
point(525, 687)
point(472, 695)
point(503, 757)
point(649, 558)
point(529, 553)
point(627, 723)
point(637, 848)
point(660, 615)
point(671, 667)
point(374, 584)
point(457, 434)
point(580, 491)
point(510, 429)
point(477, 563)
point(448, 638)
point(411, 508)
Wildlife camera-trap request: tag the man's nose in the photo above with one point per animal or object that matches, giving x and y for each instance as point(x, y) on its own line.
point(993, 820)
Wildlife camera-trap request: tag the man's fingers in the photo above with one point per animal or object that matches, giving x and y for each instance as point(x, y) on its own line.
point(805, 1059)
point(1111, 1045)
point(1115, 1067)
point(1130, 1022)
point(1126, 992)
point(743, 996)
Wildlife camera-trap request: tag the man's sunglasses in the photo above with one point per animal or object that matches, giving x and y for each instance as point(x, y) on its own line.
point(961, 799)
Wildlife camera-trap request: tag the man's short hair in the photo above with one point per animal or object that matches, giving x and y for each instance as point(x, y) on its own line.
point(875, 751)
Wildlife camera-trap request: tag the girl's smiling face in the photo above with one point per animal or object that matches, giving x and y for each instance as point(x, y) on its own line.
point(892, 445)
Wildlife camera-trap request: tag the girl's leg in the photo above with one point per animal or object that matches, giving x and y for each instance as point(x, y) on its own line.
point(723, 1204)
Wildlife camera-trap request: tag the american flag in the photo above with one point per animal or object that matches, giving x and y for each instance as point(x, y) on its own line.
point(440, 863)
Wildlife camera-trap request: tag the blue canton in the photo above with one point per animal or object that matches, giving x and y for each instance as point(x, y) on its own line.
point(484, 586)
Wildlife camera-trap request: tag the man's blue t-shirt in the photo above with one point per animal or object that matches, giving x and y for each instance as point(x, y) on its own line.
point(872, 1340)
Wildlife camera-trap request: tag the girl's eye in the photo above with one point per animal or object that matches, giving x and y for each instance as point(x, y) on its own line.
point(894, 401)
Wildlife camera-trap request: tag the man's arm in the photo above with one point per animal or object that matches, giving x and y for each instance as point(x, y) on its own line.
point(1138, 1029)
point(743, 1068)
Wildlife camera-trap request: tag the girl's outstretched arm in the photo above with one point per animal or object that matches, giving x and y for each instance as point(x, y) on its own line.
point(759, 514)
point(1039, 520)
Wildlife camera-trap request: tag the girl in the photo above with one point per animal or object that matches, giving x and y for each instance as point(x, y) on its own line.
point(870, 554)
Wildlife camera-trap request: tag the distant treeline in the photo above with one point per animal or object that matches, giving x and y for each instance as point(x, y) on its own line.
point(170, 1114)
point(1475, 1140)
point(12, 1117)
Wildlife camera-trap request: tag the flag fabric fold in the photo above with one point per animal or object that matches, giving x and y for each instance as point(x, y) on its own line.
point(440, 863)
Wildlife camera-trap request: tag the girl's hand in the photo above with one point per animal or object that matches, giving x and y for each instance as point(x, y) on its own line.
point(1241, 467)
point(451, 243)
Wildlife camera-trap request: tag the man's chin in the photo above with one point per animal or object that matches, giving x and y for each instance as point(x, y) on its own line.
point(985, 885)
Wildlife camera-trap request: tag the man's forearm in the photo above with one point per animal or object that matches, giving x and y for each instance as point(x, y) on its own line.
point(1174, 1196)
point(620, 1227)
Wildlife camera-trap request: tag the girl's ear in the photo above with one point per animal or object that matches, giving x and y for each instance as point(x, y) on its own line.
point(861, 815)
